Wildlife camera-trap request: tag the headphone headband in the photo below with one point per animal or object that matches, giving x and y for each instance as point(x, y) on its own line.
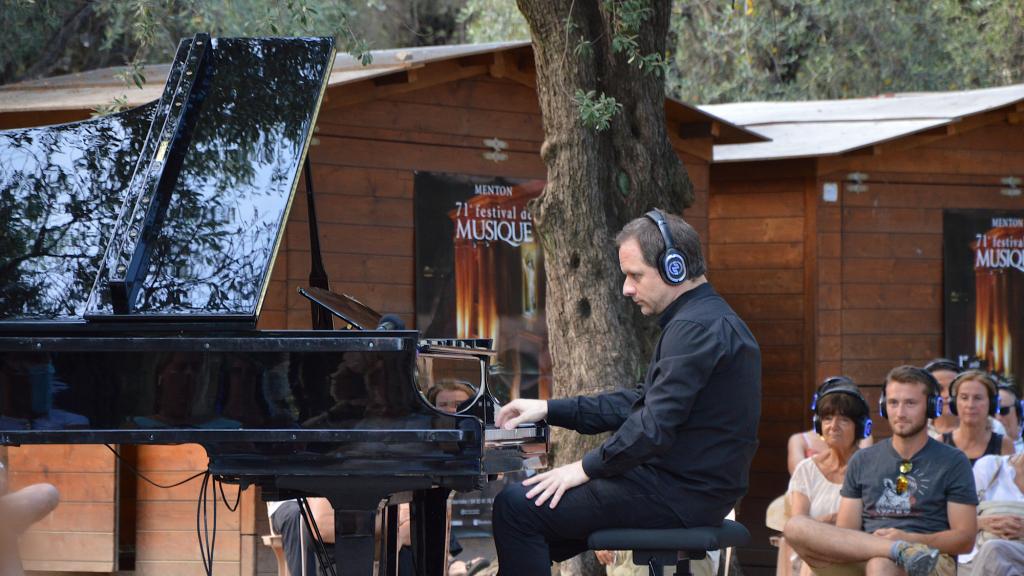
point(842, 385)
point(942, 364)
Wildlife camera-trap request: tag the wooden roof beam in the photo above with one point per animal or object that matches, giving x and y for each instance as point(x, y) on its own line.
point(506, 66)
point(689, 130)
point(408, 80)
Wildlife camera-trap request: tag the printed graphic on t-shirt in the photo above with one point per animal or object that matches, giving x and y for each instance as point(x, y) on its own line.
point(892, 503)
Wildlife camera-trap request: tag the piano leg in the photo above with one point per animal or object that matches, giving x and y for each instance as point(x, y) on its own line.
point(354, 542)
point(389, 541)
point(430, 511)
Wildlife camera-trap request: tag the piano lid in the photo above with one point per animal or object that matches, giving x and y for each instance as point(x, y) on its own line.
point(172, 211)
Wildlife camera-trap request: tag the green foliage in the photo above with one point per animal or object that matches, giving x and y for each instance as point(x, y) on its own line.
point(596, 110)
point(818, 49)
point(493, 21)
point(626, 17)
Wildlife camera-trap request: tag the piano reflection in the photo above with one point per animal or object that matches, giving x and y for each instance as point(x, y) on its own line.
point(135, 257)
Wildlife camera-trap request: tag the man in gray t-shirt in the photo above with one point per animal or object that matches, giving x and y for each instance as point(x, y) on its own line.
point(907, 504)
point(938, 474)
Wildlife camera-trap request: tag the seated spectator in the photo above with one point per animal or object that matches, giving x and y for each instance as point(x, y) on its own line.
point(296, 539)
point(1000, 545)
point(18, 512)
point(907, 504)
point(945, 371)
point(973, 398)
point(803, 445)
point(842, 419)
point(1011, 415)
point(449, 393)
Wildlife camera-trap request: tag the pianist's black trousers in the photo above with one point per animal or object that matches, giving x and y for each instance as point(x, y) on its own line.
point(528, 537)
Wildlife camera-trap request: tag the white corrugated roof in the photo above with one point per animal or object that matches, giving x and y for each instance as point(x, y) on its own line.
point(830, 127)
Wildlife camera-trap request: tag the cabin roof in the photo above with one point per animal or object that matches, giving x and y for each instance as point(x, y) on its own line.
point(92, 89)
point(832, 127)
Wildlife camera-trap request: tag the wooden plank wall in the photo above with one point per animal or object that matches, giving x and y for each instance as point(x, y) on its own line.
point(364, 159)
point(882, 261)
point(756, 231)
point(165, 539)
point(82, 528)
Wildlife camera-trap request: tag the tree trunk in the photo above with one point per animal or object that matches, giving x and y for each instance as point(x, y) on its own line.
point(597, 181)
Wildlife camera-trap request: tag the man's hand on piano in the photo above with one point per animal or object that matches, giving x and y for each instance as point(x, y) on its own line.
point(521, 411)
point(553, 483)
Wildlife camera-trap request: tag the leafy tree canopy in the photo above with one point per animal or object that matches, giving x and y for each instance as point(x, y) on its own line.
point(743, 50)
point(51, 37)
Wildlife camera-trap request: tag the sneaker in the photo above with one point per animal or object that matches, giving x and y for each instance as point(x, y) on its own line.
point(917, 559)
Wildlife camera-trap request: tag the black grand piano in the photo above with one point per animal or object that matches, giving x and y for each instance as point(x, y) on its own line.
point(135, 256)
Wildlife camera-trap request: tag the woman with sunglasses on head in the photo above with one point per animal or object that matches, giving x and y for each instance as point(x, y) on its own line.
point(842, 420)
point(973, 397)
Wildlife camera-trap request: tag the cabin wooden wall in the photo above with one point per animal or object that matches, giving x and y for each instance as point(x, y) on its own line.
point(882, 265)
point(757, 230)
point(80, 535)
point(850, 287)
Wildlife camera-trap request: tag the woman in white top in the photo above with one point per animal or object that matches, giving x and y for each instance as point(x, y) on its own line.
point(842, 418)
point(1000, 484)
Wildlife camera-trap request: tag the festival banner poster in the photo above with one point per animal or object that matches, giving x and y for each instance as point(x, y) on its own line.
point(480, 274)
point(984, 289)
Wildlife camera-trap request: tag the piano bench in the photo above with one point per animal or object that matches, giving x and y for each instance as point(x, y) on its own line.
point(658, 548)
point(276, 544)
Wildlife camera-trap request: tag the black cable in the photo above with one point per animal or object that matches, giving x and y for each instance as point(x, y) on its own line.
point(238, 496)
point(143, 476)
point(326, 566)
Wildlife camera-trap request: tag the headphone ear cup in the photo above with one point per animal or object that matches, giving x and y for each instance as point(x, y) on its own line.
point(673, 267)
point(952, 405)
point(816, 422)
point(993, 404)
point(881, 406)
point(866, 425)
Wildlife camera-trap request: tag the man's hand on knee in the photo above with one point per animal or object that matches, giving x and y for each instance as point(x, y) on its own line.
point(521, 411)
point(553, 483)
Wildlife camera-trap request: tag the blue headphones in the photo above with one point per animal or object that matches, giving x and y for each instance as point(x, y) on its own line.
point(671, 263)
point(842, 385)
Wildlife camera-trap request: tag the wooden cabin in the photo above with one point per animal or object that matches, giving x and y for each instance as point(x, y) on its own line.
point(423, 109)
point(828, 240)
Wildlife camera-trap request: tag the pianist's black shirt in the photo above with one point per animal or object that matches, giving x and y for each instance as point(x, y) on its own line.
point(689, 432)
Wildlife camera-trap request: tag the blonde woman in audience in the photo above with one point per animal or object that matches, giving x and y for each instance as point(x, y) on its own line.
point(973, 397)
point(945, 371)
point(842, 420)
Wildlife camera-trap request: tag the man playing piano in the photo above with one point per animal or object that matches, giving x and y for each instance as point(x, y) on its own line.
point(682, 441)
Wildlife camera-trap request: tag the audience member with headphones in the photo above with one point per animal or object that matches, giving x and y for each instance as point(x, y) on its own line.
point(907, 502)
point(945, 371)
point(973, 398)
point(681, 443)
point(1011, 414)
point(842, 418)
